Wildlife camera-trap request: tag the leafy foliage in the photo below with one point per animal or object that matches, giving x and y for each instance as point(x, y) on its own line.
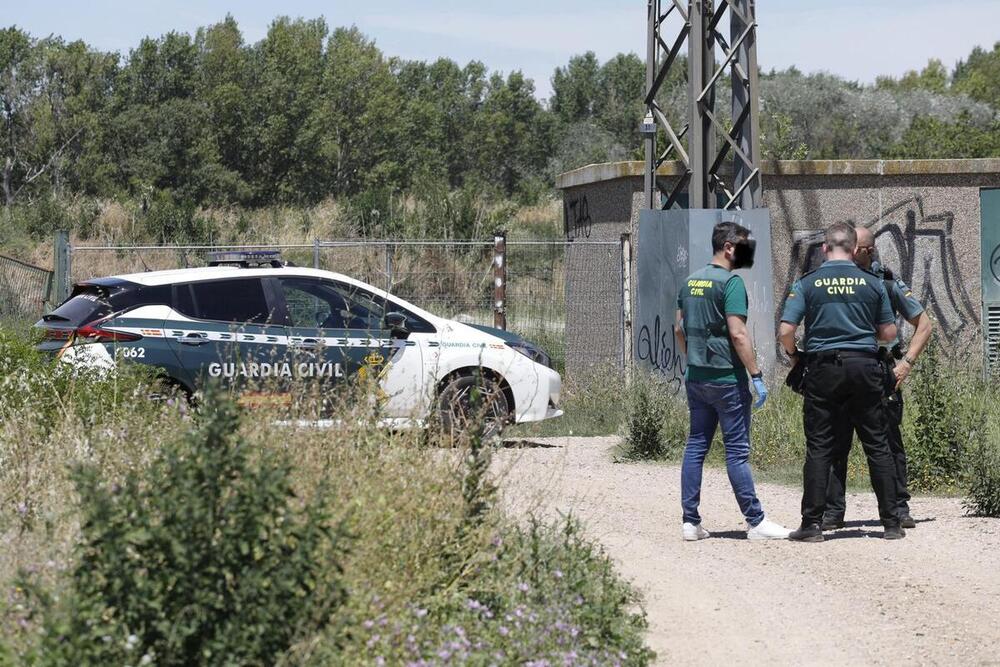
point(937, 430)
point(206, 558)
point(309, 113)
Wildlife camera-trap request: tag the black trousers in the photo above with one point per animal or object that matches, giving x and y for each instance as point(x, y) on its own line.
point(844, 390)
point(836, 501)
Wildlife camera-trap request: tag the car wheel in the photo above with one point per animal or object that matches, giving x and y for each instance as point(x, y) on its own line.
point(471, 403)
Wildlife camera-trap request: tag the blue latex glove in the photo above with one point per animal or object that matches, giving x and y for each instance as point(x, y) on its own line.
point(758, 386)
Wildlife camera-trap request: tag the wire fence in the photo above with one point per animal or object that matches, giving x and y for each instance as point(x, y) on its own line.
point(564, 295)
point(25, 290)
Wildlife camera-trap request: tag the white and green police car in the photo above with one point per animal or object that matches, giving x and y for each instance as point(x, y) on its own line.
point(248, 317)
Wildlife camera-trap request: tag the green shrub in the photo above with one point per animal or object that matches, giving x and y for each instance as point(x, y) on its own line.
point(982, 496)
point(206, 558)
point(41, 218)
point(655, 423)
point(936, 424)
point(172, 220)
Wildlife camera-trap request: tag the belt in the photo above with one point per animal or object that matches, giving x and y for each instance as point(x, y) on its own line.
point(841, 354)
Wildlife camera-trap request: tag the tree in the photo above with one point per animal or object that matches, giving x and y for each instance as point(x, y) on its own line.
point(575, 88)
point(285, 143)
point(619, 105)
point(979, 76)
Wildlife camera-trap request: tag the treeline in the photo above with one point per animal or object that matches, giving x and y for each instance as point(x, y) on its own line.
point(308, 113)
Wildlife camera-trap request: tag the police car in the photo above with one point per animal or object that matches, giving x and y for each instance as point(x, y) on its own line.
point(249, 320)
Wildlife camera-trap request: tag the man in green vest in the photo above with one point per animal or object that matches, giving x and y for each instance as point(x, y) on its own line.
point(711, 329)
point(846, 312)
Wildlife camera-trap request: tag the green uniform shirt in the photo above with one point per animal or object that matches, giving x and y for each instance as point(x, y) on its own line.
point(842, 305)
point(705, 299)
point(901, 300)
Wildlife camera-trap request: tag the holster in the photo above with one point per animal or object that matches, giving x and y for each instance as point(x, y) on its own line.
point(887, 359)
point(796, 377)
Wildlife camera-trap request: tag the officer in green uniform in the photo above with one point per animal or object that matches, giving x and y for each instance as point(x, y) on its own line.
point(903, 303)
point(846, 311)
point(711, 329)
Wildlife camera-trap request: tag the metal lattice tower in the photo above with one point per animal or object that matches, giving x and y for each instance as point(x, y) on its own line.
point(712, 147)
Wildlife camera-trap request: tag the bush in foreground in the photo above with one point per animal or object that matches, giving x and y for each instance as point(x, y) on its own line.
point(205, 558)
point(122, 562)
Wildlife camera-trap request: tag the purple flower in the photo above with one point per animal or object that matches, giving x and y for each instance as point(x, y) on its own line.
point(523, 587)
point(504, 631)
point(420, 613)
point(369, 624)
point(22, 509)
point(557, 574)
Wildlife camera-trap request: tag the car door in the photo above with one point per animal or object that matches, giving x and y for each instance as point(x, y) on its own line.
point(230, 333)
point(341, 326)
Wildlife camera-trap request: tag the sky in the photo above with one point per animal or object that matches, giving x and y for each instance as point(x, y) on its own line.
point(857, 39)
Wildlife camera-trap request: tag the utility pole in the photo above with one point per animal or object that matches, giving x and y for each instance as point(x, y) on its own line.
point(721, 166)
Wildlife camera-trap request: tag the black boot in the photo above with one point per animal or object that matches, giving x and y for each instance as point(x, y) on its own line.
point(906, 521)
point(807, 532)
point(893, 533)
point(832, 523)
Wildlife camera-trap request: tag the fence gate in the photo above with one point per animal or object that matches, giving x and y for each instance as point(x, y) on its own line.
point(24, 291)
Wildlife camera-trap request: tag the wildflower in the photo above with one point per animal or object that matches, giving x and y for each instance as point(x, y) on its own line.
point(369, 624)
point(504, 631)
point(420, 613)
point(523, 587)
point(557, 574)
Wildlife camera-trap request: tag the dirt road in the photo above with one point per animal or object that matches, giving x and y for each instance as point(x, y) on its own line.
point(932, 598)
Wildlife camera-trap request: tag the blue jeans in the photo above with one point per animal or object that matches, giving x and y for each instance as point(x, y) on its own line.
point(712, 404)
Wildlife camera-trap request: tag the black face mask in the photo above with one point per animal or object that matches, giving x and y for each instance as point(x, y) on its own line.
point(743, 253)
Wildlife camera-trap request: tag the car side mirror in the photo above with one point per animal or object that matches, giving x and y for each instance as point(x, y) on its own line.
point(396, 324)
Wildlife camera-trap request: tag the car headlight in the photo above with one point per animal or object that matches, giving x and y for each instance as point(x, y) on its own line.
point(531, 351)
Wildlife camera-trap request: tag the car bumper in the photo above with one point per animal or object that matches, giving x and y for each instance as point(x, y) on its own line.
point(539, 400)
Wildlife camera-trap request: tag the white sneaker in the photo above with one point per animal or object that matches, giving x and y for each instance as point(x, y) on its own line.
point(767, 530)
point(692, 532)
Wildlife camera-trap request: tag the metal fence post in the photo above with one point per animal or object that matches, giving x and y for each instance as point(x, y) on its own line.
point(63, 257)
point(389, 249)
point(626, 257)
point(315, 253)
point(500, 280)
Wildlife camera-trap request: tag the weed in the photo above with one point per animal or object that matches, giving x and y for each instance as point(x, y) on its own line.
point(205, 558)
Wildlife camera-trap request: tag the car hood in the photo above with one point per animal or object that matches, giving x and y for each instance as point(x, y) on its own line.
point(505, 336)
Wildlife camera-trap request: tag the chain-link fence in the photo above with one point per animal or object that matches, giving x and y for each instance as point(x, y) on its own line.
point(24, 291)
point(565, 296)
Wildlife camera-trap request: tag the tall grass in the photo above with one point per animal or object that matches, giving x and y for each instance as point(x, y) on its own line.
point(426, 561)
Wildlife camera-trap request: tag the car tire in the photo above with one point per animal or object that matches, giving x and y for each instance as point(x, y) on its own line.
point(471, 403)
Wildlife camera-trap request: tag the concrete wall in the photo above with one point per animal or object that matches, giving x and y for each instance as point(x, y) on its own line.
point(925, 214)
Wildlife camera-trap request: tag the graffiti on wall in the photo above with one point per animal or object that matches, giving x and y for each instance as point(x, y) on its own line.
point(576, 217)
point(919, 248)
point(656, 345)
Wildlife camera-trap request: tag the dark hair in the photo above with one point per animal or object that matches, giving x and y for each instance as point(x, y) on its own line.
point(728, 232)
point(841, 235)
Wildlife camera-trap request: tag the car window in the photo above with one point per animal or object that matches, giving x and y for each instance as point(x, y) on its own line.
point(414, 323)
point(310, 304)
point(90, 303)
point(329, 305)
point(238, 300)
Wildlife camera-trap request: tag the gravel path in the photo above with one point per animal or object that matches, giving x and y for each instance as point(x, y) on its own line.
point(932, 598)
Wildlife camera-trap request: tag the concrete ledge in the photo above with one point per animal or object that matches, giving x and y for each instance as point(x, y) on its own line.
point(608, 171)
